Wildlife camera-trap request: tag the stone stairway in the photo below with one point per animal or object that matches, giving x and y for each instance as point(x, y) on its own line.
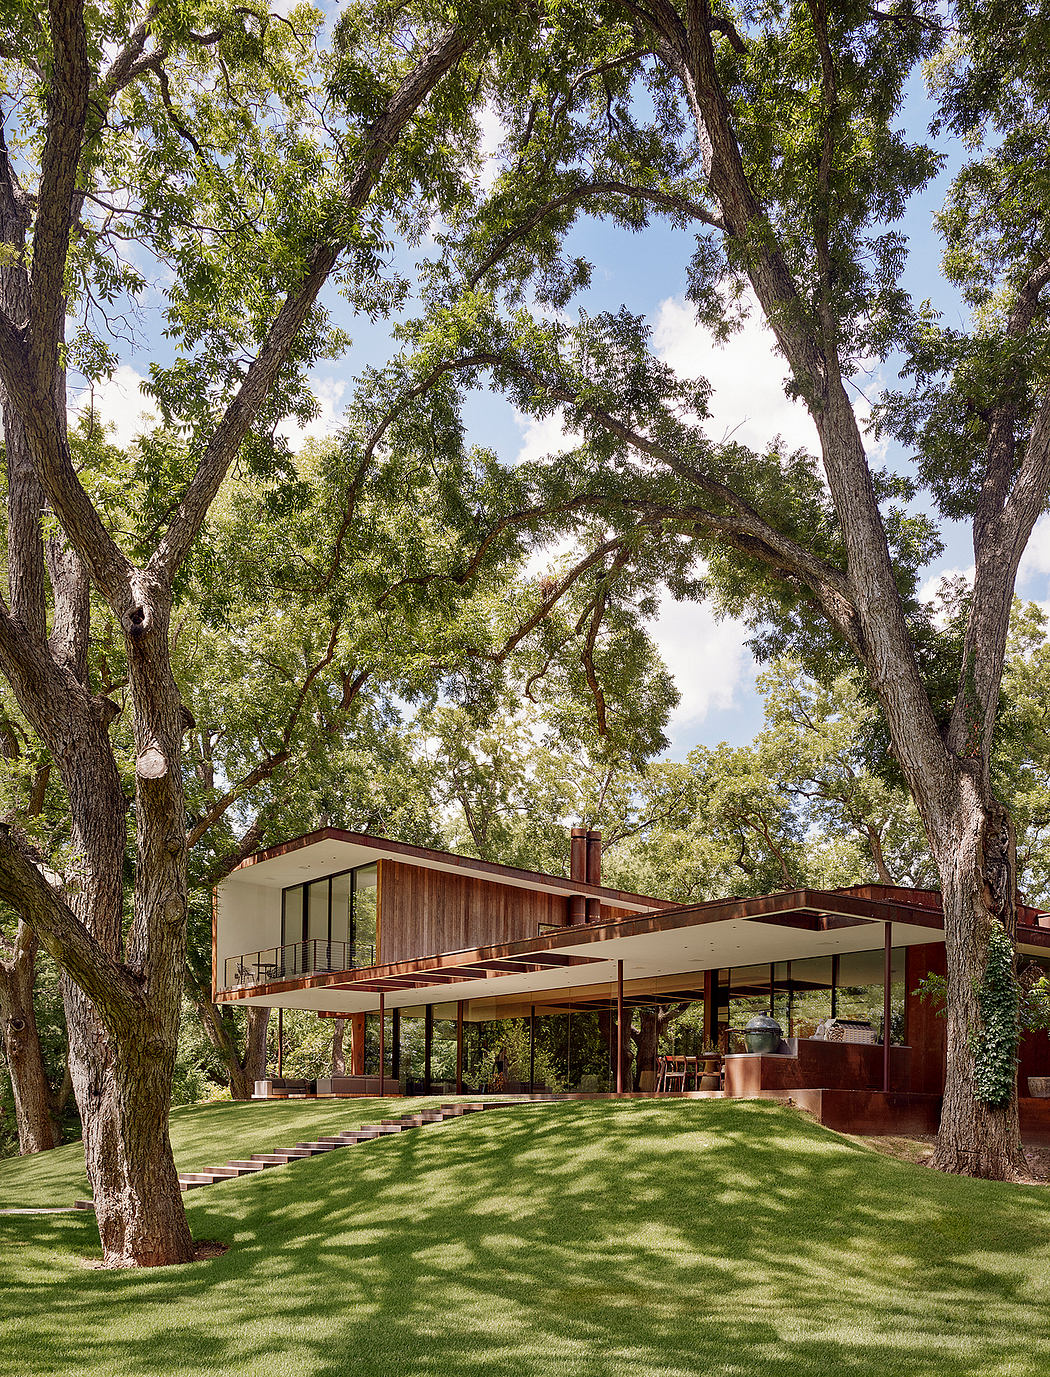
point(280, 1157)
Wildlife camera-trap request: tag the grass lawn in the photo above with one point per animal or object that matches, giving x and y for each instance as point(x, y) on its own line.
point(653, 1239)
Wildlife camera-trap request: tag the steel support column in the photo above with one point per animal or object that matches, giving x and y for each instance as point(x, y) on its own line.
point(382, 1043)
point(428, 1045)
point(619, 1027)
point(887, 976)
point(459, 1047)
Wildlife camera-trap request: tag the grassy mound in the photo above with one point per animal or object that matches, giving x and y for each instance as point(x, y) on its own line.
point(202, 1136)
point(643, 1238)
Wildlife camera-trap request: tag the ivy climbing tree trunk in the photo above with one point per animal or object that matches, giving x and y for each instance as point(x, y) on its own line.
point(791, 225)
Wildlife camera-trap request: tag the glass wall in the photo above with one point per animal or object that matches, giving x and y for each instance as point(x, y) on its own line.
point(364, 912)
point(801, 995)
point(859, 990)
point(749, 993)
point(330, 923)
point(809, 988)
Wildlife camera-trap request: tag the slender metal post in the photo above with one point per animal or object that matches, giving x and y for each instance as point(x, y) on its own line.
point(887, 974)
point(459, 1048)
point(532, 1049)
point(395, 1049)
point(280, 1043)
point(834, 986)
point(382, 1043)
point(619, 1027)
point(428, 1045)
point(791, 1002)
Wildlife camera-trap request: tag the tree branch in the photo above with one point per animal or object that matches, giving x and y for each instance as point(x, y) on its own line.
point(117, 996)
point(275, 759)
point(665, 200)
point(282, 333)
point(67, 102)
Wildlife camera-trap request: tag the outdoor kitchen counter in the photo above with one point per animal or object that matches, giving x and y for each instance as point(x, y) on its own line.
point(812, 1064)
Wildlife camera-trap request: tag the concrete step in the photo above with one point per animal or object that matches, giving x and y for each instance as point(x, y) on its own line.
point(291, 1154)
point(380, 1128)
point(329, 1146)
point(271, 1159)
point(246, 1164)
point(409, 1121)
point(356, 1136)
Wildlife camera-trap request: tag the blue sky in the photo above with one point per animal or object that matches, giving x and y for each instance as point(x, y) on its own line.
point(647, 273)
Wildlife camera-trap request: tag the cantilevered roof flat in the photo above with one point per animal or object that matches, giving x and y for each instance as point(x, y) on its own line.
point(669, 942)
point(332, 849)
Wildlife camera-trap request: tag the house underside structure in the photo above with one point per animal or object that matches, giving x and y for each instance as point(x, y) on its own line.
point(456, 974)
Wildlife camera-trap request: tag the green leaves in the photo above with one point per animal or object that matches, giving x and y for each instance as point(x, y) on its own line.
point(997, 1038)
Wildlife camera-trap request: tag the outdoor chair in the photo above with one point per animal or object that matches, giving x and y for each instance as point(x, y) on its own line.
point(675, 1072)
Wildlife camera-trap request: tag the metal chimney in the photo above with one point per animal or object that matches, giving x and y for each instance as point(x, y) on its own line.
point(578, 871)
point(594, 874)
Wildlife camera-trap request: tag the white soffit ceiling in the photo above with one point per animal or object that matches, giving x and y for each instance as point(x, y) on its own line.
point(681, 951)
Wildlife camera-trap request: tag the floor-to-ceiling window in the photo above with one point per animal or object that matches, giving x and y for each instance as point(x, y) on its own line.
point(330, 923)
point(801, 995)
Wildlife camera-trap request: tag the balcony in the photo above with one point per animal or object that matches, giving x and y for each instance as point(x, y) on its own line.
point(310, 957)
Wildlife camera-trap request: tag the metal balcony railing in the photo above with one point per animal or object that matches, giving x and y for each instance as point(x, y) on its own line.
point(295, 958)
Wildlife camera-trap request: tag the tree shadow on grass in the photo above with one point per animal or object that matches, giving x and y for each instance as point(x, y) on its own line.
point(202, 1136)
point(586, 1238)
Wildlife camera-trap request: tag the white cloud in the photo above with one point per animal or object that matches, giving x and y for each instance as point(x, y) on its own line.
point(493, 133)
point(120, 402)
point(929, 590)
point(708, 659)
point(544, 436)
point(746, 373)
point(1035, 561)
point(329, 392)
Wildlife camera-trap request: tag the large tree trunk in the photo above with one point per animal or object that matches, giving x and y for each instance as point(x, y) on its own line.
point(647, 1043)
point(978, 884)
point(338, 1055)
point(25, 1058)
point(652, 1024)
point(243, 1068)
point(123, 1093)
point(123, 1083)
point(252, 1067)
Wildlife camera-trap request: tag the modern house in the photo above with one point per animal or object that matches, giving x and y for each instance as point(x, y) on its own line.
point(469, 974)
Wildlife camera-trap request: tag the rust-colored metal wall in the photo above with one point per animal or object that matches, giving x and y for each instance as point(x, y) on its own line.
point(924, 1028)
point(426, 911)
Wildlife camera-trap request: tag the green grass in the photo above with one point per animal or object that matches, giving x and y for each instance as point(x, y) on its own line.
point(606, 1238)
point(204, 1136)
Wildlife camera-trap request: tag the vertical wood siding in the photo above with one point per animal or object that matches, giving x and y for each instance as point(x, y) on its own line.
point(429, 911)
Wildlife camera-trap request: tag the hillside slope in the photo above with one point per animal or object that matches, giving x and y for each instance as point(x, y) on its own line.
point(639, 1237)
